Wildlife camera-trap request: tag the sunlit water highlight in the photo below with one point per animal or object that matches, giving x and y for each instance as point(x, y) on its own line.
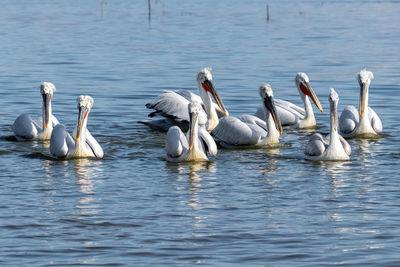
point(251, 207)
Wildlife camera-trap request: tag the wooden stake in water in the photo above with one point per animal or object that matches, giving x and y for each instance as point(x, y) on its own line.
point(149, 5)
point(267, 12)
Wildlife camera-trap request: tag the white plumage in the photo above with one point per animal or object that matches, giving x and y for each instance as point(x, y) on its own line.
point(364, 122)
point(292, 115)
point(173, 105)
point(195, 145)
point(334, 147)
point(40, 128)
point(82, 144)
point(248, 130)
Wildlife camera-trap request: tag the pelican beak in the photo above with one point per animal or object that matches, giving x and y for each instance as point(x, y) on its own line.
point(46, 108)
point(192, 124)
point(307, 90)
point(269, 104)
point(83, 112)
point(209, 87)
point(363, 96)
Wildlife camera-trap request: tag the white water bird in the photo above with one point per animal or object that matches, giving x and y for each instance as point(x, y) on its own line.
point(249, 130)
point(193, 146)
point(292, 115)
point(82, 144)
point(26, 128)
point(366, 122)
point(334, 147)
point(173, 105)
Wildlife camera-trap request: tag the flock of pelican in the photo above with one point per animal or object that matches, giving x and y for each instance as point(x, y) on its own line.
point(46, 127)
point(208, 124)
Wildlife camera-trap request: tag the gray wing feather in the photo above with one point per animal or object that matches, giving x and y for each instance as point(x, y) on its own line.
point(288, 113)
point(290, 106)
point(348, 120)
point(176, 144)
point(233, 131)
point(94, 146)
point(172, 104)
point(195, 98)
point(207, 138)
point(376, 122)
point(316, 146)
point(60, 142)
point(346, 145)
point(189, 96)
point(257, 125)
point(26, 128)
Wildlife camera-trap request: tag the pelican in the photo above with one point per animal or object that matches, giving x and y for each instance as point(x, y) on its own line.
point(248, 130)
point(26, 128)
point(366, 122)
point(292, 115)
point(173, 105)
point(82, 144)
point(334, 147)
point(193, 146)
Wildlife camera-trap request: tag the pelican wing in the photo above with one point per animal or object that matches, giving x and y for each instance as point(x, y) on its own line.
point(256, 124)
point(176, 144)
point(376, 122)
point(93, 145)
point(172, 105)
point(209, 142)
point(189, 96)
point(60, 142)
point(316, 146)
point(348, 120)
point(298, 111)
point(25, 128)
point(345, 144)
point(288, 113)
point(195, 98)
point(232, 131)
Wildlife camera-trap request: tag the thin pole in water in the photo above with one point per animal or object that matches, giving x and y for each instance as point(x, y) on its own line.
point(149, 5)
point(102, 8)
point(267, 12)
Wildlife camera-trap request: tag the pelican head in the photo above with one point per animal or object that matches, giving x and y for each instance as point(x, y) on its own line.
point(267, 97)
point(305, 89)
point(194, 110)
point(204, 78)
point(85, 104)
point(334, 100)
point(47, 89)
point(364, 78)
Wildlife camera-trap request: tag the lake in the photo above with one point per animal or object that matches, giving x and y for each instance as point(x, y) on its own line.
point(245, 207)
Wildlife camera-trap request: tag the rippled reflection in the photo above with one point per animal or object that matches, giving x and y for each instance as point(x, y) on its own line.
point(193, 175)
point(337, 171)
point(366, 145)
point(85, 170)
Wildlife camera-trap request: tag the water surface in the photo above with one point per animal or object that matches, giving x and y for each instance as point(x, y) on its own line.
point(245, 207)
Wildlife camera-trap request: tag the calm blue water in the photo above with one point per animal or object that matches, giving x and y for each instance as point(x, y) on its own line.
point(245, 207)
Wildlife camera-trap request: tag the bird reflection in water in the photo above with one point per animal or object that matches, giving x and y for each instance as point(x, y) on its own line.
point(338, 180)
point(85, 170)
point(365, 146)
point(194, 174)
point(271, 158)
